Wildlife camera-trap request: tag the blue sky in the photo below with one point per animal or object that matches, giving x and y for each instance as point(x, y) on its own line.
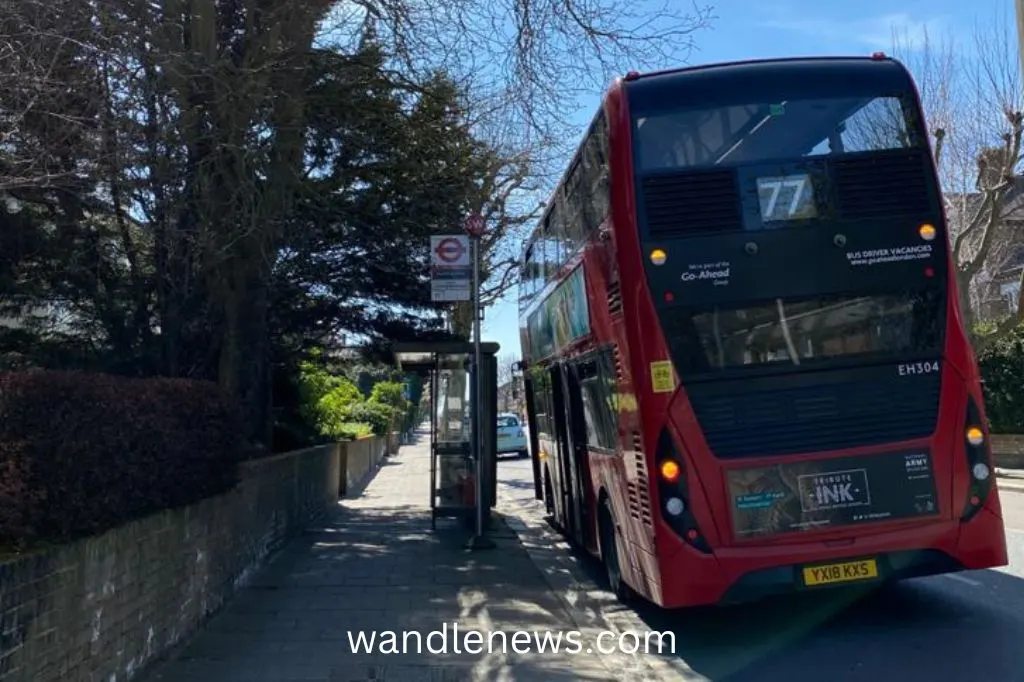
point(745, 29)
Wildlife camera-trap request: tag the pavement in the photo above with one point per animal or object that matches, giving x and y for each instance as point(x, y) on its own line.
point(376, 566)
point(1010, 479)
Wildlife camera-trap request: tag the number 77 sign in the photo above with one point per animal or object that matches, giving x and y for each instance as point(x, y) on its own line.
point(786, 197)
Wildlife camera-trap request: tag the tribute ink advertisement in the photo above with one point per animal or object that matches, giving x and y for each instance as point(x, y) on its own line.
point(819, 494)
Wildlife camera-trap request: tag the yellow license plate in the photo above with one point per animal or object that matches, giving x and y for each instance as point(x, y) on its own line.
point(846, 572)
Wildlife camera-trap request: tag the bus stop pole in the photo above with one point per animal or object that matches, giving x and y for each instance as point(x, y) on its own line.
point(1019, 7)
point(478, 541)
point(477, 422)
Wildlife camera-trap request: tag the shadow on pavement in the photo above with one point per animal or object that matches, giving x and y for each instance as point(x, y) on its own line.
point(519, 485)
point(378, 570)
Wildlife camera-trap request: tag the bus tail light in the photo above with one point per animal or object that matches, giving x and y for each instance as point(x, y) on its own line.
point(978, 459)
point(675, 495)
point(669, 470)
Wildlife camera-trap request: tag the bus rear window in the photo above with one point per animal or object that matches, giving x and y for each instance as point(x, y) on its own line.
point(804, 331)
point(763, 131)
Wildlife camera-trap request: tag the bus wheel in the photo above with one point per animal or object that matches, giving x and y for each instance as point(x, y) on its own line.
point(610, 556)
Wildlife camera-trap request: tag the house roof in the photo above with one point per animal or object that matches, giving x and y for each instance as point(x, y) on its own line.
point(971, 201)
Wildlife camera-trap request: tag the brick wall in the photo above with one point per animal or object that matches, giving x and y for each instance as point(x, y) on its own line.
point(102, 608)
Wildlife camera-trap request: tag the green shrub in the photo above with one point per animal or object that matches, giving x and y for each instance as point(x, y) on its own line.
point(315, 383)
point(336, 407)
point(1002, 368)
point(332, 409)
point(379, 417)
point(391, 394)
point(352, 431)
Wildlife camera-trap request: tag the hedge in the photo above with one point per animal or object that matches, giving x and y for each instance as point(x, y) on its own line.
point(83, 453)
point(1002, 368)
point(379, 417)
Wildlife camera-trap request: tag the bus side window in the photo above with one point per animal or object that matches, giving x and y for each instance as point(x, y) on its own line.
point(596, 173)
point(552, 236)
point(597, 390)
point(541, 387)
point(611, 391)
point(558, 234)
point(567, 244)
point(540, 272)
point(533, 267)
point(575, 200)
point(524, 277)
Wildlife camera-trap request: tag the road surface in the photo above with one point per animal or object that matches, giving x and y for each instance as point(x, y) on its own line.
point(966, 626)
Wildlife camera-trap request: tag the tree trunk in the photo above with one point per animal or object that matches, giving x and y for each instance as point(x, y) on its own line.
point(244, 369)
point(461, 318)
point(963, 288)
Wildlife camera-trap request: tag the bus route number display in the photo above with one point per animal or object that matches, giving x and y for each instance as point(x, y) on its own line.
point(786, 197)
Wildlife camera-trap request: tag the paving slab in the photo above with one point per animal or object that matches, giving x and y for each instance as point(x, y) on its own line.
point(375, 567)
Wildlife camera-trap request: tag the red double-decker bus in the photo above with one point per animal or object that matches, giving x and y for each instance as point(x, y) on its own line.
point(746, 371)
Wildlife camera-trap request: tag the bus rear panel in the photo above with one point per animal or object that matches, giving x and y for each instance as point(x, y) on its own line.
point(825, 407)
point(751, 351)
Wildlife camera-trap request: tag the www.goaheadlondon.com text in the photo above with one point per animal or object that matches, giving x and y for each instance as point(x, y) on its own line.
point(455, 640)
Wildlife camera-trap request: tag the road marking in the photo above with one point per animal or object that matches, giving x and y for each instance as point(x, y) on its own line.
point(961, 579)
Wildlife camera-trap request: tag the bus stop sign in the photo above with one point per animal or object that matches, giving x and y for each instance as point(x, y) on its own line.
point(475, 225)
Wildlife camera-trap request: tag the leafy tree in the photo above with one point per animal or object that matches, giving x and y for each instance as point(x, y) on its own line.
point(201, 189)
point(391, 394)
point(1002, 366)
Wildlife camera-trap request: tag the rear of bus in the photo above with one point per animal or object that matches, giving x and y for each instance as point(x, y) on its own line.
point(828, 416)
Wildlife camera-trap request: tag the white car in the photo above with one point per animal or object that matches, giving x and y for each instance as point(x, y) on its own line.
point(511, 436)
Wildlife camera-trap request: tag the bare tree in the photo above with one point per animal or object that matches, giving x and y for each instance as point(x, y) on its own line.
point(509, 208)
point(506, 365)
point(973, 103)
point(48, 99)
point(523, 67)
point(508, 390)
point(527, 62)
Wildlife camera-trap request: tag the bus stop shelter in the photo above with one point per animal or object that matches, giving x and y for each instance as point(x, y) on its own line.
point(447, 366)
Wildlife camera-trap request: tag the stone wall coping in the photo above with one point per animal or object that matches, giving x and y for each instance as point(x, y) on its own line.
point(258, 462)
